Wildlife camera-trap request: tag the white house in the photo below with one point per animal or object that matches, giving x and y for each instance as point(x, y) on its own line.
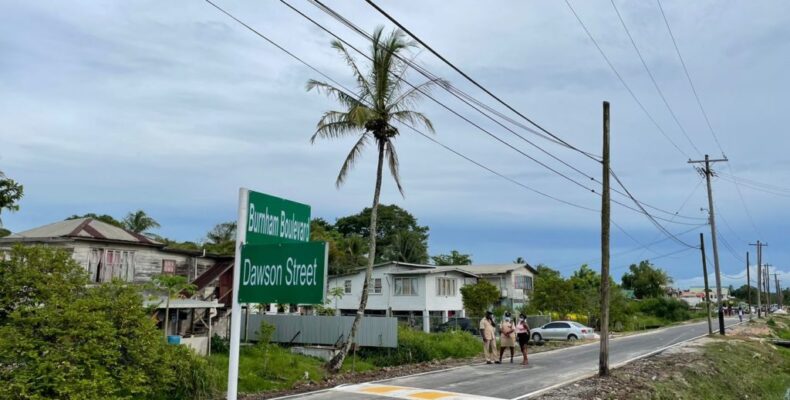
point(515, 281)
point(409, 291)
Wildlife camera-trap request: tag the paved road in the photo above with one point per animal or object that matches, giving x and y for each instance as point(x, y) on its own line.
point(512, 381)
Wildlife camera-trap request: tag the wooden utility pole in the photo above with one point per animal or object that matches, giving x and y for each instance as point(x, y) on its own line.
point(603, 359)
point(748, 287)
point(759, 282)
point(778, 291)
point(705, 275)
point(707, 172)
point(767, 288)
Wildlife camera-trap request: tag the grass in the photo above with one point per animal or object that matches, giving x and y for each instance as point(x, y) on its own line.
point(271, 367)
point(729, 371)
point(417, 346)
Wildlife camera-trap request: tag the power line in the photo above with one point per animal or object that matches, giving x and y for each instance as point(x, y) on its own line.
point(462, 73)
point(755, 187)
point(424, 135)
point(627, 87)
point(653, 79)
point(691, 82)
point(349, 92)
point(649, 216)
point(458, 93)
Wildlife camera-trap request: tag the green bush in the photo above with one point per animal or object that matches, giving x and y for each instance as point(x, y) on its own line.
point(60, 338)
point(418, 346)
point(669, 309)
point(219, 345)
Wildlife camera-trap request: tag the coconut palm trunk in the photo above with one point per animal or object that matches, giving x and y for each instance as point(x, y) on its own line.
point(337, 361)
point(380, 102)
point(167, 316)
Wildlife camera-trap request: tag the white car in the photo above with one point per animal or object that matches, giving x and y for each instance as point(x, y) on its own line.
point(563, 330)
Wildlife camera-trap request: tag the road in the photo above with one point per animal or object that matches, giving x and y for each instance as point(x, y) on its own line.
point(513, 381)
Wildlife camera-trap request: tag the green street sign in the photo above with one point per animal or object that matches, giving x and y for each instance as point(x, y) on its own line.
point(285, 273)
point(272, 219)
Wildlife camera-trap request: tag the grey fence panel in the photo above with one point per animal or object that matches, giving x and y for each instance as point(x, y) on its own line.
point(326, 330)
point(536, 321)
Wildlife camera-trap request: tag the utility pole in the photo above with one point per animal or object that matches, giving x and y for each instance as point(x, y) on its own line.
point(705, 274)
point(748, 287)
point(778, 291)
point(603, 359)
point(707, 172)
point(759, 276)
point(767, 287)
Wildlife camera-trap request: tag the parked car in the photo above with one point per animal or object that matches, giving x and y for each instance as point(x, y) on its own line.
point(458, 324)
point(563, 330)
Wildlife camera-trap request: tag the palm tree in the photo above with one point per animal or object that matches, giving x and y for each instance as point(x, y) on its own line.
point(139, 222)
point(519, 260)
point(369, 114)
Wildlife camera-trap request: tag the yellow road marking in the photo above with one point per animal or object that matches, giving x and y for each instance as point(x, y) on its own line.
point(431, 395)
point(380, 389)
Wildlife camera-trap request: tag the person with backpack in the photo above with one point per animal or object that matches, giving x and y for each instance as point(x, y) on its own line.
point(522, 334)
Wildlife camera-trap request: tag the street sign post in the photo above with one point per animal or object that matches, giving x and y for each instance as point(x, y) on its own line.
point(274, 262)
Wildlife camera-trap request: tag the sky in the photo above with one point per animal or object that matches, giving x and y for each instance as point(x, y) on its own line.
point(170, 107)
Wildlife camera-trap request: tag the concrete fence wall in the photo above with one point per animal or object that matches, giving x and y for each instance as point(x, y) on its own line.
point(325, 330)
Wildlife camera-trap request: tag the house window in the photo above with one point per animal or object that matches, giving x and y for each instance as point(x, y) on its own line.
point(522, 282)
point(406, 287)
point(347, 286)
point(377, 286)
point(445, 286)
point(169, 267)
point(105, 265)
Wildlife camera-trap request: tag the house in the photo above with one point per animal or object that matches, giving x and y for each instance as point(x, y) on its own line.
point(107, 251)
point(515, 281)
point(700, 292)
point(693, 299)
point(421, 294)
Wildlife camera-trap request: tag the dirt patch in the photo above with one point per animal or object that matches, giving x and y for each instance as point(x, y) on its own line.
point(634, 380)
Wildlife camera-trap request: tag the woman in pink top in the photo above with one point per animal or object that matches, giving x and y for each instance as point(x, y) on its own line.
point(522, 334)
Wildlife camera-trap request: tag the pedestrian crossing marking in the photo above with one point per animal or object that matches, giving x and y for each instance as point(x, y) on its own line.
point(408, 393)
point(430, 395)
point(377, 389)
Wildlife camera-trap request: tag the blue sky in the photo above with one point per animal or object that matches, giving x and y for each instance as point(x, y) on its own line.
point(170, 107)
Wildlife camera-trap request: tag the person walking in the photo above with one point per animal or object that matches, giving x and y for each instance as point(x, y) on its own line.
point(488, 333)
point(522, 334)
point(740, 313)
point(507, 332)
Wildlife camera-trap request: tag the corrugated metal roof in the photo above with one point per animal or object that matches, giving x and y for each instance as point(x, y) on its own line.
point(436, 270)
point(492, 268)
point(87, 228)
point(161, 303)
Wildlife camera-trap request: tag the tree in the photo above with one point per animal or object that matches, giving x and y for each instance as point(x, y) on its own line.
point(108, 219)
point(139, 222)
point(61, 338)
point(479, 297)
point(454, 258)
point(369, 114)
point(10, 194)
point(646, 280)
point(393, 225)
point(221, 239)
point(519, 260)
point(4, 232)
point(171, 286)
point(553, 293)
point(742, 293)
point(345, 253)
point(409, 247)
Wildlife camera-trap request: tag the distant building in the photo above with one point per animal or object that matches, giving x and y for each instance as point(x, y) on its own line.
point(696, 295)
point(515, 281)
point(107, 251)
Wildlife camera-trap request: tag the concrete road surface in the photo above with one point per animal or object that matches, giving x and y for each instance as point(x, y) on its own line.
point(513, 381)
